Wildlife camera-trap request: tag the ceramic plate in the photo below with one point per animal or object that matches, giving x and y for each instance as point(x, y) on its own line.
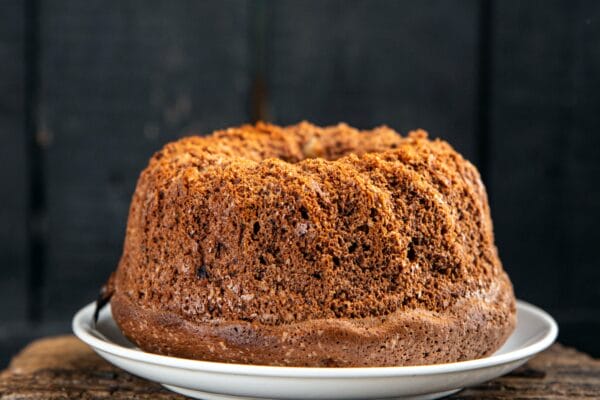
point(535, 331)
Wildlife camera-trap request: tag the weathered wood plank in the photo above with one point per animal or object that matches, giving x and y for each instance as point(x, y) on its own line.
point(558, 373)
point(64, 367)
point(544, 166)
point(14, 170)
point(409, 65)
point(120, 80)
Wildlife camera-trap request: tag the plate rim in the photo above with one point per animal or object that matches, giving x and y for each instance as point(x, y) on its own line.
point(82, 328)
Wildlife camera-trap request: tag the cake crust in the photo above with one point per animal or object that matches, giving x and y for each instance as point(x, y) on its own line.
point(309, 246)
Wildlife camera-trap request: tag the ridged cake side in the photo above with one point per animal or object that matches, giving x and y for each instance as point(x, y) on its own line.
point(243, 239)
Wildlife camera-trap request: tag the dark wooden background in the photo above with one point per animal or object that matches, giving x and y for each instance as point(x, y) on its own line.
point(90, 89)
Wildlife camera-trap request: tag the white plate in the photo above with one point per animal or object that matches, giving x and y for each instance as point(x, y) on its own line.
point(535, 331)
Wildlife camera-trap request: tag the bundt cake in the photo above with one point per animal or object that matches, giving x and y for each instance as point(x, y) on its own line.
point(310, 246)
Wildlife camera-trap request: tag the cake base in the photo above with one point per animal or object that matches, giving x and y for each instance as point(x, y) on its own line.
point(406, 337)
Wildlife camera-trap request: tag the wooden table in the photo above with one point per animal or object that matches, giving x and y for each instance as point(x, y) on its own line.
point(63, 367)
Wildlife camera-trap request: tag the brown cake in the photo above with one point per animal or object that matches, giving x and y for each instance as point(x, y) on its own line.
point(309, 246)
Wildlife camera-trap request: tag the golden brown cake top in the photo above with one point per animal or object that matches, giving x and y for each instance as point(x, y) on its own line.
point(278, 225)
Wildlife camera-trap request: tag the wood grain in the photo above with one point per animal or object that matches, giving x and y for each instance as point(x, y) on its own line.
point(63, 367)
point(120, 80)
point(558, 373)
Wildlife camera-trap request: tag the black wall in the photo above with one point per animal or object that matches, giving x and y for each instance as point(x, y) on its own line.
point(89, 90)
